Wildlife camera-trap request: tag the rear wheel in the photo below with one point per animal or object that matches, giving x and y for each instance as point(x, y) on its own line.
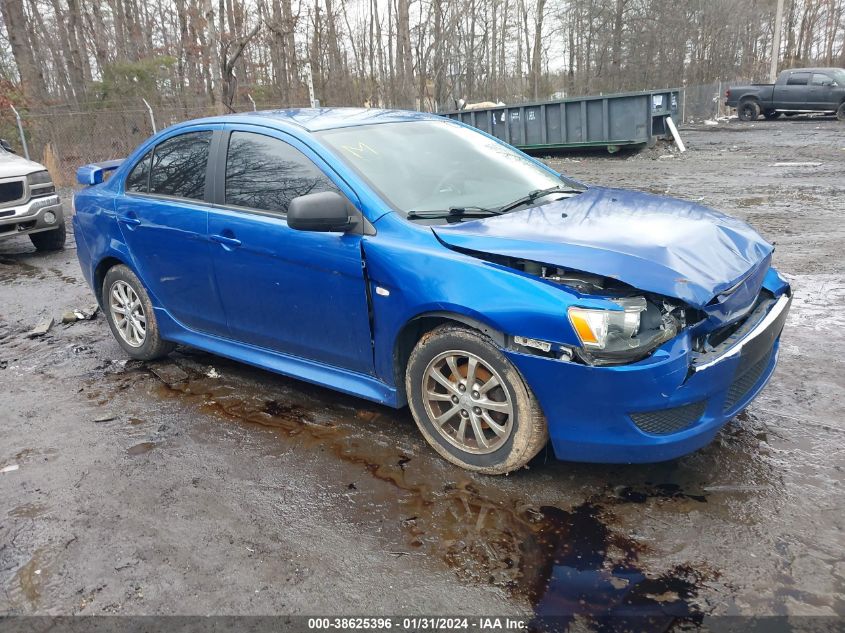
point(840, 113)
point(748, 111)
point(471, 404)
point(130, 315)
point(53, 240)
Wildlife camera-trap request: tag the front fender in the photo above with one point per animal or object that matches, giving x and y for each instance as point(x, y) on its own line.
point(412, 275)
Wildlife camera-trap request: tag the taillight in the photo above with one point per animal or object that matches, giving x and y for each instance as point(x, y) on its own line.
point(727, 94)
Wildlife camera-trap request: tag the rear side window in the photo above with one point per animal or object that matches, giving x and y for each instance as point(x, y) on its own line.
point(798, 79)
point(265, 173)
point(178, 166)
point(139, 178)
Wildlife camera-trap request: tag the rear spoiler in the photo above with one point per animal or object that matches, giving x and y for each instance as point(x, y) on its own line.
point(95, 173)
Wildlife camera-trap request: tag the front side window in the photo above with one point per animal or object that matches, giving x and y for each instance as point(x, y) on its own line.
point(178, 166)
point(139, 178)
point(821, 80)
point(265, 173)
point(425, 166)
point(798, 79)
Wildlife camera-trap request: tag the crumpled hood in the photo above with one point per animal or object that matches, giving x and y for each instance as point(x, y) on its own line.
point(656, 244)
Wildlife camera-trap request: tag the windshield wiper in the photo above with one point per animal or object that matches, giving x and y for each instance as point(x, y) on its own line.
point(453, 212)
point(535, 195)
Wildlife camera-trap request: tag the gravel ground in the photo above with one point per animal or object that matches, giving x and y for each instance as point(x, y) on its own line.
point(198, 485)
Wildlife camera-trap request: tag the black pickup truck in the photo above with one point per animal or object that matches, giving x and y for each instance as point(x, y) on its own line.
point(796, 90)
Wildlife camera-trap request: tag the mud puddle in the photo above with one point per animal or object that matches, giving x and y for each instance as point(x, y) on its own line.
point(567, 563)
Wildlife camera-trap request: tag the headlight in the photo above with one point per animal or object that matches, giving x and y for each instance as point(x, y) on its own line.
point(609, 329)
point(624, 335)
point(39, 178)
point(40, 184)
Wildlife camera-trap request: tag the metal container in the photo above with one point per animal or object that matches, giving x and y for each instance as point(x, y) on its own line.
point(612, 121)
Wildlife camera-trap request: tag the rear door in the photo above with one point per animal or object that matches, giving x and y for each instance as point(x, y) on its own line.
point(792, 94)
point(164, 220)
point(297, 292)
point(821, 92)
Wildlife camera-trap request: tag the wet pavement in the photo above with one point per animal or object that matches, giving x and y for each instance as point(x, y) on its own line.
point(201, 485)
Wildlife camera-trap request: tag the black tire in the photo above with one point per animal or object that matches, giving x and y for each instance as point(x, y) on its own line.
point(528, 431)
point(53, 240)
point(153, 346)
point(771, 115)
point(748, 111)
point(840, 112)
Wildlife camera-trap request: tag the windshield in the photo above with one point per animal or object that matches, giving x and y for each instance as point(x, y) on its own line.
point(429, 166)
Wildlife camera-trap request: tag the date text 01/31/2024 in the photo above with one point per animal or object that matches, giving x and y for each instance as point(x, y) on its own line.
point(417, 624)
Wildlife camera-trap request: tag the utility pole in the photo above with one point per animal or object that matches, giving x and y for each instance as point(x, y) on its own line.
point(773, 71)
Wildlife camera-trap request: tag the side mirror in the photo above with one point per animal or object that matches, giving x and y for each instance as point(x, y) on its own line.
point(6, 145)
point(326, 211)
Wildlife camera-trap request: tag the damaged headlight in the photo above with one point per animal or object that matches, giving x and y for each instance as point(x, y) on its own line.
point(624, 335)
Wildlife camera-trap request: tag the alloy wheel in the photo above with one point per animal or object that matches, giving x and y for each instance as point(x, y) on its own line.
point(467, 402)
point(128, 313)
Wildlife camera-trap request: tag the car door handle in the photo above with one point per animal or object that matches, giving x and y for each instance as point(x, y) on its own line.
point(128, 219)
point(231, 242)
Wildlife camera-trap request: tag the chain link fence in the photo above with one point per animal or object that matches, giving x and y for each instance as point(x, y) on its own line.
point(65, 137)
point(700, 103)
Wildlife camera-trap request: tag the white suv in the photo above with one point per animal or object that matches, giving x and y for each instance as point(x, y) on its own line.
point(28, 202)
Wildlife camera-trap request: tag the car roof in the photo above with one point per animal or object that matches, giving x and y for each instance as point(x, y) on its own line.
point(817, 70)
point(318, 119)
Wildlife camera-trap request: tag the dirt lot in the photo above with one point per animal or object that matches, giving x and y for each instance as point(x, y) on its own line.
point(199, 485)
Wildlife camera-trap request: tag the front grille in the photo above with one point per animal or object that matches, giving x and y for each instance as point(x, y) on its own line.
point(745, 381)
point(11, 191)
point(6, 214)
point(666, 421)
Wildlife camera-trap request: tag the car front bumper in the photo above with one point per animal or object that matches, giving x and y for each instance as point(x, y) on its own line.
point(663, 407)
point(31, 217)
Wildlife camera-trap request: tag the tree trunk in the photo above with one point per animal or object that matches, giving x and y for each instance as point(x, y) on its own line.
point(403, 54)
point(536, 55)
point(32, 79)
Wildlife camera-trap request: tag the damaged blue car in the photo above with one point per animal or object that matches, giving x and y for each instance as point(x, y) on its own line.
point(412, 260)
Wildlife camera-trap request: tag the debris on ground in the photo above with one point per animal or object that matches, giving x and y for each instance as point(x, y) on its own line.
point(106, 417)
point(72, 316)
point(212, 373)
point(42, 328)
point(168, 373)
point(10, 468)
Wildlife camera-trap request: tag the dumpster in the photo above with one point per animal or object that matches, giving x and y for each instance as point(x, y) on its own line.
point(611, 121)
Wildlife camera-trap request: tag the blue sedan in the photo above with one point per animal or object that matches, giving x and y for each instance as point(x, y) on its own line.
point(412, 260)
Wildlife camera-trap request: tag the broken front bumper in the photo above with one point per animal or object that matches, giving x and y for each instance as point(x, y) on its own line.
point(31, 217)
point(665, 406)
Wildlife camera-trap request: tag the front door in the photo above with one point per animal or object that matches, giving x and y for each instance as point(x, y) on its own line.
point(164, 221)
point(296, 292)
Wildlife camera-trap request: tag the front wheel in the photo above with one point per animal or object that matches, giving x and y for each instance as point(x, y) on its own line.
point(53, 240)
point(130, 315)
point(748, 111)
point(471, 404)
point(840, 112)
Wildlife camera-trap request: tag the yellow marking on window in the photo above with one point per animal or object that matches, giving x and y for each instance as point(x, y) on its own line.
point(359, 150)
